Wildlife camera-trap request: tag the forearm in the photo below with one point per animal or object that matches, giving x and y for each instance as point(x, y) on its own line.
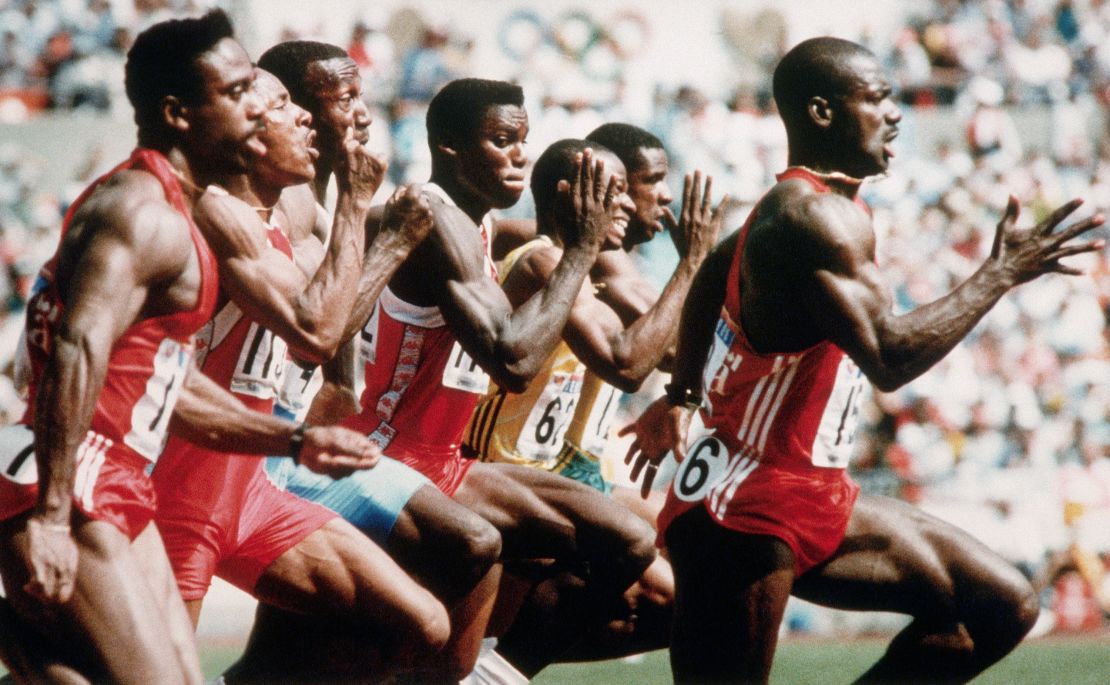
point(912, 343)
point(534, 328)
point(641, 347)
point(387, 253)
point(700, 315)
point(67, 398)
point(211, 417)
point(337, 282)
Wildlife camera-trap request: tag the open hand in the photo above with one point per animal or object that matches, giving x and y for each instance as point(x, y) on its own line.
point(359, 171)
point(698, 226)
point(662, 428)
point(593, 204)
point(1025, 254)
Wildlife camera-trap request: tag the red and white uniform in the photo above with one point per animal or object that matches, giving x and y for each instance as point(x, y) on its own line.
point(146, 368)
point(218, 513)
point(421, 386)
point(781, 426)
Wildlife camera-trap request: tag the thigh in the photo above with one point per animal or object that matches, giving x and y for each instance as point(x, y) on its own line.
point(540, 514)
point(113, 597)
point(731, 590)
point(897, 558)
point(337, 571)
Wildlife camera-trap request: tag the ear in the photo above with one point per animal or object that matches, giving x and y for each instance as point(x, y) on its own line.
point(820, 111)
point(447, 149)
point(175, 114)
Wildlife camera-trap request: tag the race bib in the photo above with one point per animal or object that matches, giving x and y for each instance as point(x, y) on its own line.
point(17, 454)
point(261, 365)
point(705, 465)
point(151, 414)
point(542, 434)
point(463, 373)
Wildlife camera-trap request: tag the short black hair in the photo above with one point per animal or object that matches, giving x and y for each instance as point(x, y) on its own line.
point(814, 67)
point(456, 111)
point(554, 165)
point(162, 62)
point(626, 141)
point(289, 62)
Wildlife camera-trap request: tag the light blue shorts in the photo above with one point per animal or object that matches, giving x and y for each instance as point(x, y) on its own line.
point(370, 500)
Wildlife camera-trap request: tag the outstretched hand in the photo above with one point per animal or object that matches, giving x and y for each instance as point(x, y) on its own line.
point(662, 428)
point(592, 203)
point(1025, 254)
point(696, 230)
point(337, 452)
point(50, 556)
point(360, 172)
point(408, 215)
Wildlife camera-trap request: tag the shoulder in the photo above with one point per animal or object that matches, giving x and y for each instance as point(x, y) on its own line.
point(299, 212)
point(131, 206)
point(814, 227)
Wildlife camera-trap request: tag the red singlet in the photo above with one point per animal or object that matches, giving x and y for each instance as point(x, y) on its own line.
point(146, 368)
point(782, 427)
point(421, 386)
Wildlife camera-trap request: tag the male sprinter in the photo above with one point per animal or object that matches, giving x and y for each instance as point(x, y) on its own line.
point(784, 320)
point(218, 513)
point(528, 428)
point(110, 331)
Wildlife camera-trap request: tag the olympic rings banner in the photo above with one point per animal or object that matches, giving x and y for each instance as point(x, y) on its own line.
point(598, 47)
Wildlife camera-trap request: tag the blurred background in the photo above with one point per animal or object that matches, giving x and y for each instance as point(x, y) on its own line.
point(1009, 436)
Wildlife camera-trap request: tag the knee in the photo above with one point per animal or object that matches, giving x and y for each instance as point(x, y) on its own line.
point(480, 546)
point(1016, 609)
point(640, 538)
point(428, 629)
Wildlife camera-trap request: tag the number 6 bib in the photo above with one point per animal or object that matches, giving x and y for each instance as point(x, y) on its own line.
point(705, 465)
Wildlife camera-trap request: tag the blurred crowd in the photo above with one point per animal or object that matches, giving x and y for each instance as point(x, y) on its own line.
point(1009, 436)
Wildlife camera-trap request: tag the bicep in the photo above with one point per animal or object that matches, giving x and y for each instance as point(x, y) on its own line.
point(591, 331)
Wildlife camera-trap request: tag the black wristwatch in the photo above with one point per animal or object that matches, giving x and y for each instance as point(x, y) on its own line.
point(296, 442)
point(681, 396)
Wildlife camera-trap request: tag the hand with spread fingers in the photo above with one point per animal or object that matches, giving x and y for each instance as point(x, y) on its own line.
point(696, 230)
point(1021, 255)
point(592, 202)
point(661, 428)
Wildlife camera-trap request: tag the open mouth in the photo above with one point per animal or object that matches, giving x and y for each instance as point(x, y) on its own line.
point(888, 146)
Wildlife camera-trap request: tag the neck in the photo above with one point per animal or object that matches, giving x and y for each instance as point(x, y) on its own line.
point(474, 208)
point(828, 173)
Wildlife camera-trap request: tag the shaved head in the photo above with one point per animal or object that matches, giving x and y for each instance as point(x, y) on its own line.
point(824, 67)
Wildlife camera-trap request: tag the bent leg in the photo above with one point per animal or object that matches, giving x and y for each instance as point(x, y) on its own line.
point(730, 593)
point(113, 597)
point(969, 607)
point(337, 572)
point(544, 515)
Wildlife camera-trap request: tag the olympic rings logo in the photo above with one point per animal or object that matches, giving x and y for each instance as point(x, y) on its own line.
point(598, 47)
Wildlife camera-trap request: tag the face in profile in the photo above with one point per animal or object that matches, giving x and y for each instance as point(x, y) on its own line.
point(287, 135)
point(868, 121)
point(337, 89)
point(491, 164)
point(648, 189)
point(226, 120)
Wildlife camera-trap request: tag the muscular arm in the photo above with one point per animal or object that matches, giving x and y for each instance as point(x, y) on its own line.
point(510, 344)
point(846, 298)
point(209, 416)
point(699, 316)
point(121, 248)
point(257, 277)
point(621, 356)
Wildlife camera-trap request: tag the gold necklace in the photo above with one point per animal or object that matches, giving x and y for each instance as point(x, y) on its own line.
point(837, 176)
